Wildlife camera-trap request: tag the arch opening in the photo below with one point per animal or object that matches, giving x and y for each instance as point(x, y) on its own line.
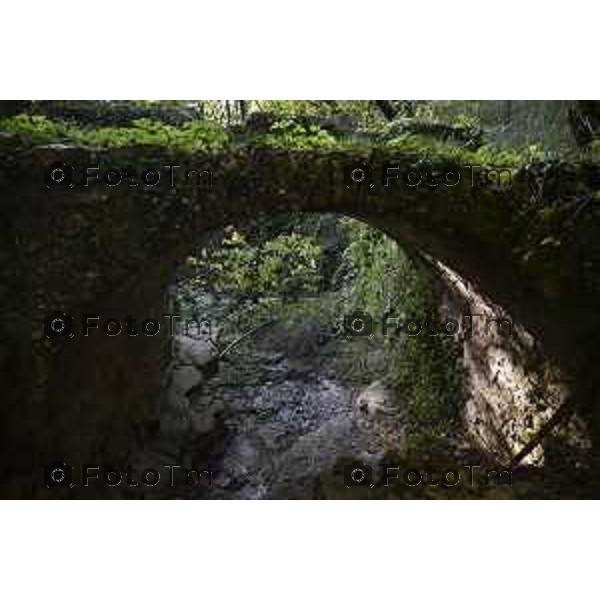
point(307, 340)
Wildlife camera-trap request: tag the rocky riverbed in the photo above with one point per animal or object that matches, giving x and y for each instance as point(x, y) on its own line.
point(273, 416)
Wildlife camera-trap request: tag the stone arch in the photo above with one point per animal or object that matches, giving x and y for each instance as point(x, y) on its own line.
point(97, 249)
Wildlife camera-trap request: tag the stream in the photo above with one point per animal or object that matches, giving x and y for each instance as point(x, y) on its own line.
point(268, 422)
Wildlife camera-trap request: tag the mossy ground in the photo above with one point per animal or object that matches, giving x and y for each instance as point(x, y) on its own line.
point(210, 136)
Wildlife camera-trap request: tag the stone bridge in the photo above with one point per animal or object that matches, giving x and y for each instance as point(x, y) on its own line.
point(529, 250)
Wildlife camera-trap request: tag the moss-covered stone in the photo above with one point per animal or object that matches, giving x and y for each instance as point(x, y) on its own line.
point(534, 251)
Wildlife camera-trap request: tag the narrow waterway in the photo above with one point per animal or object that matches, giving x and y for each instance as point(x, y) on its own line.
point(268, 422)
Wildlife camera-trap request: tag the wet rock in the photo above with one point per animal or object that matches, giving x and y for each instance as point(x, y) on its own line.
point(374, 401)
point(378, 410)
point(192, 351)
point(294, 338)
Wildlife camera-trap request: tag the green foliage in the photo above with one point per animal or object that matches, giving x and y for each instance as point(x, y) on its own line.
point(364, 111)
point(373, 266)
point(291, 108)
point(425, 147)
point(190, 137)
point(428, 377)
point(463, 120)
point(285, 266)
point(209, 135)
point(289, 134)
point(426, 369)
point(288, 265)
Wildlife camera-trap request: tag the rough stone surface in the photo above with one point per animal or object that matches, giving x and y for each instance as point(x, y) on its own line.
point(112, 251)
